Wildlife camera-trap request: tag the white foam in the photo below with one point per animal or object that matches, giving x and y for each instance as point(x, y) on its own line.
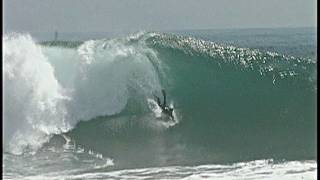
point(162, 120)
point(33, 98)
point(259, 169)
point(48, 90)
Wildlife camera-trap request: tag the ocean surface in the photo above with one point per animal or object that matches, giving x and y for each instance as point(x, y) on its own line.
point(83, 107)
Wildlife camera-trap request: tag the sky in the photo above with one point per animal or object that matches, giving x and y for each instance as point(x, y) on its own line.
point(133, 15)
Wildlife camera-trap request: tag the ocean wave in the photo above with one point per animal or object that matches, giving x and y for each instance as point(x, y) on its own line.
point(49, 89)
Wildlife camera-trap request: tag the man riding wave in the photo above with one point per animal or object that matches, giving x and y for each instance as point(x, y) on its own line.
point(165, 109)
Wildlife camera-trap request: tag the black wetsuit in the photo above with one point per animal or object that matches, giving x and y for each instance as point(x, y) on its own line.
point(165, 109)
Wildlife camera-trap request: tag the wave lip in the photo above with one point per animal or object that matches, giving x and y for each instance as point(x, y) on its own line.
point(49, 89)
point(265, 63)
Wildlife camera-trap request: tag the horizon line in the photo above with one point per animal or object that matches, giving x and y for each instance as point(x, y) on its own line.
point(164, 30)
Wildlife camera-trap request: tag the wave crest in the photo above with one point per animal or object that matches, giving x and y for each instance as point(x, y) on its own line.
point(49, 89)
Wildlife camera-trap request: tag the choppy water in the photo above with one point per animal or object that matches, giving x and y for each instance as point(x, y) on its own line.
point(86, 110)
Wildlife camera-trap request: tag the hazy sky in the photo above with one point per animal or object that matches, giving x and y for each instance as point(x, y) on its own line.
point(122, 15)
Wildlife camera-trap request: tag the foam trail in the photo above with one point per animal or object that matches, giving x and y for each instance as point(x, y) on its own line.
point(258, 169)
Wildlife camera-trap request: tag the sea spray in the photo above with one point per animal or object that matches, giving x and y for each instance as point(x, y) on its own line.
point(109, 73)
point(54, 88)
point(33, 98)
point(234, 105)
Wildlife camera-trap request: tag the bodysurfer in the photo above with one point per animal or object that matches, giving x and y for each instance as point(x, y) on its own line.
point(165, 109)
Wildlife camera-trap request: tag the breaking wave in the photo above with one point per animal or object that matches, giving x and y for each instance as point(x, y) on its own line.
point(240, 95)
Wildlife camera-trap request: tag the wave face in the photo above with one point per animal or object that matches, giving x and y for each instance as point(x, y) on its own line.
point(232, 104)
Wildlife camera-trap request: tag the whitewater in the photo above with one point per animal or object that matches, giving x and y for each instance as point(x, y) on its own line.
point(87, 111)
point(92, 82)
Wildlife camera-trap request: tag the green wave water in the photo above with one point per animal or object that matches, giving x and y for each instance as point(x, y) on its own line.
point(235, 105)
point(232, 104)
